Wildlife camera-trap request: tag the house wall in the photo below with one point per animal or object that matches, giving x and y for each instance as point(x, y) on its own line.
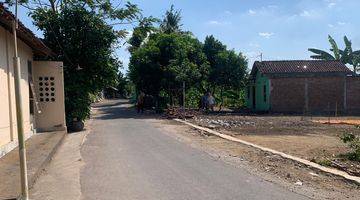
point(287, 94)
point(49, 88)
point(262, 98)
point(326, 94)
point(311, 95)
point(7, 102)
point(353, 95)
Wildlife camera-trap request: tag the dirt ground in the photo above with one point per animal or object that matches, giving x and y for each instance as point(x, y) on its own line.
point(294, 176)
point(309, 138)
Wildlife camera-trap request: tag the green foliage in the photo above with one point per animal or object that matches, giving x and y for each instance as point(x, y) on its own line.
point(141, 32)
point(162, 59)
point(323, 162)
point(171, 22)
point(165, 61)
point(353, 141)
point(80, 34)
point(227, 69)
point(213, 47)
point(346, 56)
point(125, 86)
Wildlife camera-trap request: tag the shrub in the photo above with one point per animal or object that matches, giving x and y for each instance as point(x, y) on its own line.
point(353, 142)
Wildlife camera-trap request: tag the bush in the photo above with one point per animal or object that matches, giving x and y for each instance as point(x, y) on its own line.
point(354, 143)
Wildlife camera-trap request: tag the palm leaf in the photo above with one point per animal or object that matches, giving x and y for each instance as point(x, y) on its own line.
point(335, 48)
point(348, 47)
point(356, 52)
point(321, 55)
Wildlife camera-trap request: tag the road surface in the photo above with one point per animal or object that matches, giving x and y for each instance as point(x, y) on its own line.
point(126, 157)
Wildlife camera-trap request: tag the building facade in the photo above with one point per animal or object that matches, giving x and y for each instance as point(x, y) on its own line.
point(42, 91)
point(303, 86)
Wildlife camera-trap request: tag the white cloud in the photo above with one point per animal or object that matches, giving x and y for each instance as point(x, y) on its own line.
point(305, 13)
point(218, 23)
point(331, 4)
point(265, 10)
point(252, 12)
point(227, 12)
point(266, 35)
point(341, 23)
point(312, 14)
point(331, 26)
point(214, 22)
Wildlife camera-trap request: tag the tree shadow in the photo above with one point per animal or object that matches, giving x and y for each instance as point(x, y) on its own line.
point(121, 109)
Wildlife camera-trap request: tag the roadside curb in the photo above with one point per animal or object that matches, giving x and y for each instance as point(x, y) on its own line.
point(284, 155)
point(39, 171)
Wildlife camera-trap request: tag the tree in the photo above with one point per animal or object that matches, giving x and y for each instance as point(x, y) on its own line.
point(141, 32)
point(172, 21)
point(227, 69)
point(231, 70)
point(82, 35)
point(212, 47)
point(165, 61)
point(346, 56)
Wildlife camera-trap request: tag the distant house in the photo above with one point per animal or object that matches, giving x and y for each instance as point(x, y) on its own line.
point(299, 86)
point(42, 88)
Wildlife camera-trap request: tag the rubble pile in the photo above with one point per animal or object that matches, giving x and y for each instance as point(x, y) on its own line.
point(213, 123)
point(180, 113)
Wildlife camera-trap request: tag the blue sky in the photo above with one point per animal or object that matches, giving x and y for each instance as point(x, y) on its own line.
point(280, 29)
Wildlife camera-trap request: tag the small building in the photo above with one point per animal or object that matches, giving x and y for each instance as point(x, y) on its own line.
point(303, 86)
point(42, 87)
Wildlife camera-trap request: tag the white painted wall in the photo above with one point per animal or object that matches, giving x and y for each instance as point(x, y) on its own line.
point(7, 92)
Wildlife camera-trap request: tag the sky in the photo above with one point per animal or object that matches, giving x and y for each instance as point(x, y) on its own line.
point(279, 29)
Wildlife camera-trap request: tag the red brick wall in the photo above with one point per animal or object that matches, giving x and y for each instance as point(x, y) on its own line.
point(288, 94)
point(353, 95)
point(326, 93)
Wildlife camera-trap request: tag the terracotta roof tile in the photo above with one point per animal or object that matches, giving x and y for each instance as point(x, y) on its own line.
point(24, 34)
point(300, 66)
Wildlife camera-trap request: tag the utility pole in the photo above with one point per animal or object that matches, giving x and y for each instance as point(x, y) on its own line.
point(183, 86)
point(19, 113)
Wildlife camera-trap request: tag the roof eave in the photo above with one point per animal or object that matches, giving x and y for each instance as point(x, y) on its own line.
point(24, 34)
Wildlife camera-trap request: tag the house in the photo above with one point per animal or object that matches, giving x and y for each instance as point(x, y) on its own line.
point(303, 86)
point(42, 87)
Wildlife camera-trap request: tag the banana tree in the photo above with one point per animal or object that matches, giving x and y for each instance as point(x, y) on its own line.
point(346, 56)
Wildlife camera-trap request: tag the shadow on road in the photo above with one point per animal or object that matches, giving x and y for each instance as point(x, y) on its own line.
point(120, 109)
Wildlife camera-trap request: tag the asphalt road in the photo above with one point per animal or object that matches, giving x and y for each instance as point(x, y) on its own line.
point(126, 157)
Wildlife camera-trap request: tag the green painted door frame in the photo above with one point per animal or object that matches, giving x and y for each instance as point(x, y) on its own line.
point(259, 93)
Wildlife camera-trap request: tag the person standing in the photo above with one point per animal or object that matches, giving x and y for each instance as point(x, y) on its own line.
point(203, 102)
point(140, 102)
point(210, 101)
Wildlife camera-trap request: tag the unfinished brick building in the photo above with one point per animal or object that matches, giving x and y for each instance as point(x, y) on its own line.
point(303, 86)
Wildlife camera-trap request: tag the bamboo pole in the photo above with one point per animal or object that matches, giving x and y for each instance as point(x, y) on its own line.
point(19, 114)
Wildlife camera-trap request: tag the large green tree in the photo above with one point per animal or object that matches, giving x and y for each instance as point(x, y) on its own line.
point(212, 47)
point(165, 61)
point(227, 68)
point(83, 35)
point(165, 57)
point(346, 56)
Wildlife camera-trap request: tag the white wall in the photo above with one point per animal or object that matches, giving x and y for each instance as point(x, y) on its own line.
point(7, 109)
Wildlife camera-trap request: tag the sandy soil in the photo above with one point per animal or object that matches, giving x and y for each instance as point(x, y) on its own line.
point(314, 184)
point(308, 138)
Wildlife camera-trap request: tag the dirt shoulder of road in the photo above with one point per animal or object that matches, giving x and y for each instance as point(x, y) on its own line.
point(289, 174)
point(295, 135)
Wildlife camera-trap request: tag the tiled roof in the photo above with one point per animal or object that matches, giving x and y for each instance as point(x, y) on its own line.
point(300, 66)
point(23, 33)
